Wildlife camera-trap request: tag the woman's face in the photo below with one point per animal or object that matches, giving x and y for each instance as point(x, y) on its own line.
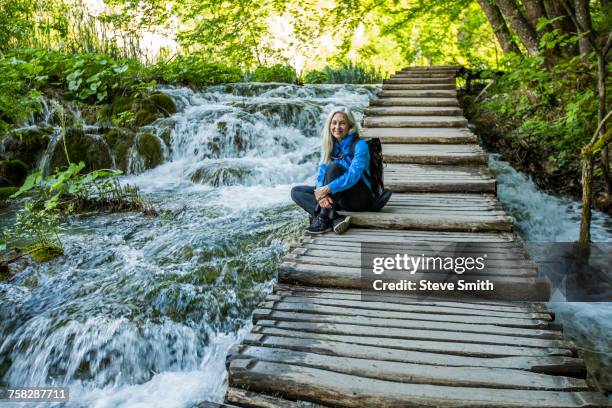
point(339, 126)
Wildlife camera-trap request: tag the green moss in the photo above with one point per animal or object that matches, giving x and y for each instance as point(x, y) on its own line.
point(26, 145)
point(44, 252)
point(12, 173)
point(150, 149)
point(144, 117)
point(6, 192)
point(162, 103)
point(166, 135)
point(92, 150)
point(120, 140)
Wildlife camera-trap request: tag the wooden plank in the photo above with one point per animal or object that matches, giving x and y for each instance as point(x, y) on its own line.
point(415, 373)
point(420, 86)
point(445, 311)
point(508, 288)
point(417, 334)
point(414, 102)
point(307, 306)
point(414, 121)
point(352, 294)
point(380, 249)
point(491, 270)
point(420, 135)
point(345, 390)
point(414, 110)
point(433, 93)
point(434, 154)
point(396, 217)
point(386, 235)
point(444, 79)
point(251, 399)
point(317, 316)
point(422, 351)
point(450, 75)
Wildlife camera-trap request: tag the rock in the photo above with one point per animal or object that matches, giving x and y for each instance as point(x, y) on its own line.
point(150, 150)
point(27, 145)
point(162, 103)
point(91, 149)
point(12, 173)
point(120, 140)
point(6, 192)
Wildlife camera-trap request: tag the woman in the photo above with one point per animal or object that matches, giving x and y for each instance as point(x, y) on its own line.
point(342, 180)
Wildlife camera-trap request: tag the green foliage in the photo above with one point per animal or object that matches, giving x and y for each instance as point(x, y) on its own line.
point(195, 70)
point(555, 108)
point(345, 73)
point(69, 192)
point(275, 73)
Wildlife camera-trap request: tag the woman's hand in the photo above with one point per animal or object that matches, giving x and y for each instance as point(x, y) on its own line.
point(321, 192)
point(326, 202)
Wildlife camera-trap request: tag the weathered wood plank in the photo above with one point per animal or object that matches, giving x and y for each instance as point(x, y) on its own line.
point(349, 391)
point(353, 294)
point(414, 110)
point(429, 154)
point(420, 135)
point(450, 75)
point(386, 235)
point(389, 322)
point(422, 351)
point(414, 102)
point(251, 399)
point(415, 373)
point(491, 271)
point(444, 79)
point(414, 121)
point(433, 93)
point(306, 306)
point(506, 288)
point(418, 86)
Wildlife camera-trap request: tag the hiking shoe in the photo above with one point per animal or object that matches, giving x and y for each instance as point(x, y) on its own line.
point(319, 226)
point(341, 224)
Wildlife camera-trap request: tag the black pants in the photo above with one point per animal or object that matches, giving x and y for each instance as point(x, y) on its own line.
point(357, 198)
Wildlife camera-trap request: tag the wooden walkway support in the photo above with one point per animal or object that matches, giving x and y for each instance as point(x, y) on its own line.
point(316, 342)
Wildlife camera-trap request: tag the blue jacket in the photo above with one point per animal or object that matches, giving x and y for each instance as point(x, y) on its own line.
point(356, 168)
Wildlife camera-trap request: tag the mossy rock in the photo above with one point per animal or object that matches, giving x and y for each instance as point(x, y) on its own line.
point(91, 149)
point(144, 117)
point(12, 173)
point(120, 140)
point(162, 103)
point(166, 136)
point(44, 252)
point(6, 192)
point(27, 145)
point(150, 150)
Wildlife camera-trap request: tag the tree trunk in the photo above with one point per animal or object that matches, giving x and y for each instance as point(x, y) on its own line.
point(499, 26)
point(587, 192)
point(583, 16)
point(601, 111)
point(565, 26)
point(519, 23)
point(534, 11)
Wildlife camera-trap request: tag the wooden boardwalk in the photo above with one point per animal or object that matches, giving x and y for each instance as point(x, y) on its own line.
point(316, 342)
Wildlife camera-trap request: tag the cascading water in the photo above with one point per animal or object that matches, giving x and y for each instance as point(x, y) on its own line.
point(141, 311)
point(544, 218)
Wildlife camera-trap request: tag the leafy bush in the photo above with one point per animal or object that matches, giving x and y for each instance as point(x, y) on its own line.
point(345, 73)
point(194, 70)
point(275, 73)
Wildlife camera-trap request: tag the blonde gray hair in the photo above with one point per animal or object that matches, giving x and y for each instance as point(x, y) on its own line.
point(327, 140)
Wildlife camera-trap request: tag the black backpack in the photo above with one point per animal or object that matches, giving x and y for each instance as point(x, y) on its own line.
point(376, 164)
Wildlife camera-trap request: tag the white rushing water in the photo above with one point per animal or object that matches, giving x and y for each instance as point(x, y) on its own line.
point(541, 217)
point(141, 312)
